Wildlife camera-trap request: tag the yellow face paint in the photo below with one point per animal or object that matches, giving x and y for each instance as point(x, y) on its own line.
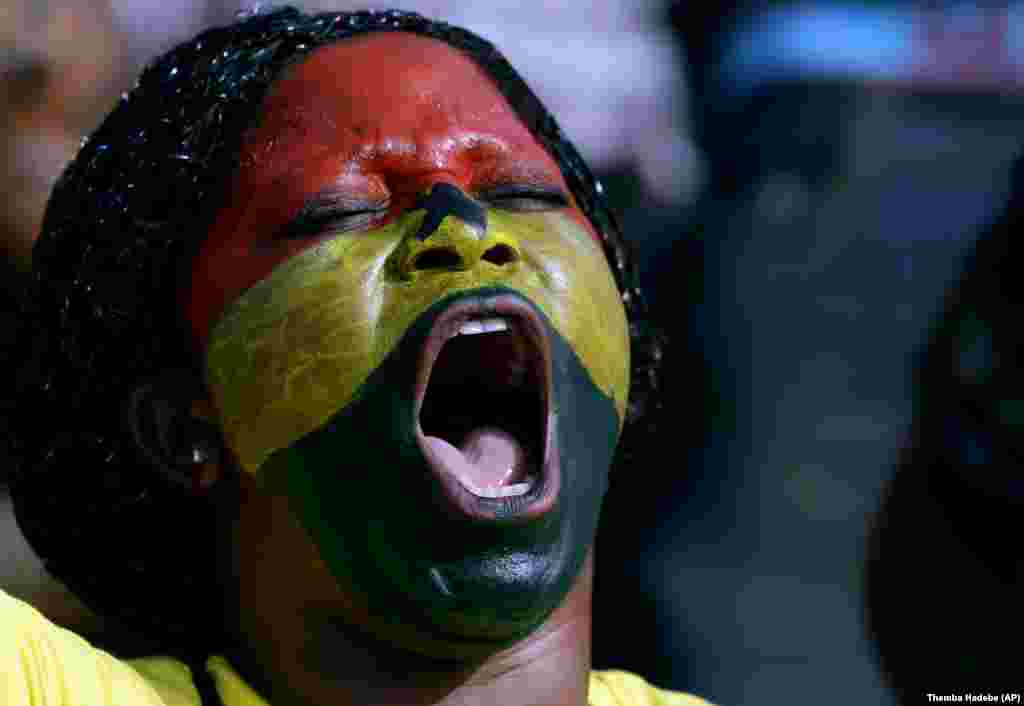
point(295, 348)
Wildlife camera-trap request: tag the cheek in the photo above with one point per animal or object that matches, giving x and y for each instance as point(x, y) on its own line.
point(582, 300)
point(295, 348)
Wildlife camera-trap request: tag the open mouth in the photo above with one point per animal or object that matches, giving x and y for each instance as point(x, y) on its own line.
point(483, 403)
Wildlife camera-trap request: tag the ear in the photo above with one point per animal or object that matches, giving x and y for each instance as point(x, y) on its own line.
point(174, 429)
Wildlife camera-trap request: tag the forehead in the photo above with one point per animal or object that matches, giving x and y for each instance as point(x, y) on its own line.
point(391, 95)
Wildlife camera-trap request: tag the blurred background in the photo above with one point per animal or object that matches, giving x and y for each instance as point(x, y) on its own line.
point(802, 182)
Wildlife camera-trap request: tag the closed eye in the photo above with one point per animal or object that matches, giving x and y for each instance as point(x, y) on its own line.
point(523, 198)
point(318, 221)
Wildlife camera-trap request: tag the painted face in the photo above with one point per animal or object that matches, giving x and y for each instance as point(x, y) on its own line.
point(412, 332)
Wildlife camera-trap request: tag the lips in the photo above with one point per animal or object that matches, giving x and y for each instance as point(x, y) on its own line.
point(484, 418)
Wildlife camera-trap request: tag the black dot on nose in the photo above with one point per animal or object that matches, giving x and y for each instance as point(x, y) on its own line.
point(436, 259)
point(499, 255)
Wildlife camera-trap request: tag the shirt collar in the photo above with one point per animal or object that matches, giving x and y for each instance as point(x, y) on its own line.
point(230, 686)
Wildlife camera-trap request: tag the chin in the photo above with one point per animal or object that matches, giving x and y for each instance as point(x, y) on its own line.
point(460, 490)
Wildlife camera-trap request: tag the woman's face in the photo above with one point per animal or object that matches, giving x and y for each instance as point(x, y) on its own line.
point(411, 332)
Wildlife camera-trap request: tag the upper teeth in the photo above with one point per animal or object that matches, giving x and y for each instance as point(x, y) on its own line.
point(505, 491)
point(474, 326)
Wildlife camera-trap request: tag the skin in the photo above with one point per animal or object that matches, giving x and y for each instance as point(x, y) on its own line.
point(304, 316)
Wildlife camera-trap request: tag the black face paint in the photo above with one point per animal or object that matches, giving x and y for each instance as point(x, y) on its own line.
point(448, 200)
point(361, 486)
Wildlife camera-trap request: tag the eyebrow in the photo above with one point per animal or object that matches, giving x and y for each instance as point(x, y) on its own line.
point(526, 174)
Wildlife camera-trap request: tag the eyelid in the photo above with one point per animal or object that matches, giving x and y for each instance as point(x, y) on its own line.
point(551, 195)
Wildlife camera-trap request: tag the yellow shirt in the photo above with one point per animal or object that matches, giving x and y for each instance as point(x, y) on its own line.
point(45, 665)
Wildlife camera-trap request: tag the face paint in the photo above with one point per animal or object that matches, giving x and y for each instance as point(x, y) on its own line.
point(445, 200)
point(382, 524)
point(316, 355)
point(295, 348)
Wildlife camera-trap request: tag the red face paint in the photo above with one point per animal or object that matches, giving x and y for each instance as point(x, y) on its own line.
point(371, 123)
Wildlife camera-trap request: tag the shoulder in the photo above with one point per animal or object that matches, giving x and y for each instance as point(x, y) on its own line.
point(45, 665)
point(616, 688)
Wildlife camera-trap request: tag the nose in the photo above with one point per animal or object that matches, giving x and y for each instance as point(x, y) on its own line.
point(453, 235)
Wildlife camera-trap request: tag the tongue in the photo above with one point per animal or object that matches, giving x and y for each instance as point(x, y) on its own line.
point(489, 458)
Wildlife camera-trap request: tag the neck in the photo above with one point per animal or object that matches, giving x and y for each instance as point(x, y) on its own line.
point(294, 654)
point(550, 667)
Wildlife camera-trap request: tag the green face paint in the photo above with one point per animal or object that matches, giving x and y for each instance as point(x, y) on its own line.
point(359, 486)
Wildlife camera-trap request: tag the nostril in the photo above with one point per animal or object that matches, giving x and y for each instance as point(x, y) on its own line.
point(436, 259)
point(500, 255)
